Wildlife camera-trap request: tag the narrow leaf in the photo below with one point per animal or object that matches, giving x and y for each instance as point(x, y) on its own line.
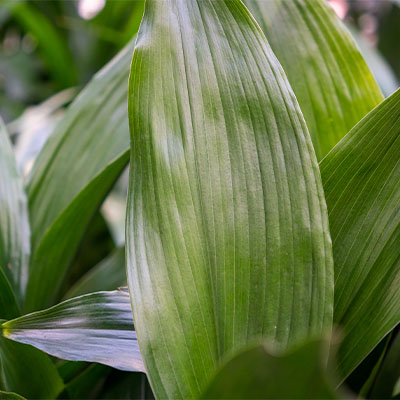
point(227, 232)
point(331, 80)
point(259, 373)
point(97, 327)
point(361, 181)
point(8, 303)
point(14, 224)
point(73, 173)
point(109, 274)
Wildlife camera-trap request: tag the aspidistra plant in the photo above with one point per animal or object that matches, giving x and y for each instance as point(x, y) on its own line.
point(252, 228)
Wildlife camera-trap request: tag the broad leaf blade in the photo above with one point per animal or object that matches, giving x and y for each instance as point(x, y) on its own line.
point(27, 371)
point(259, 373)
point(360, 177)
point(227, 232)
point(109, 274)
point(73, 173)
point(14, 224)
point(8, 303)
point(331, 80)
point(97, 327)
point(10, 396)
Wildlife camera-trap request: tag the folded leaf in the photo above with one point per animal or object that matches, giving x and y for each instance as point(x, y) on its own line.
point(73, 174)
point(259, 373)
point(361, 181)
point(14, 224)
point(331, 80)
point(97, 327)
point(227, 232)
point(109, 274)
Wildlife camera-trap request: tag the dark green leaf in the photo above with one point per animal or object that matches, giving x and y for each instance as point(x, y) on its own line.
point(27, 371)
point(227, 230)
point(10, 396)
point(97, 327)
point(361, 181)
point(73, 173)
point(14, 224)
point(109, 274)
point(259, 373)
point(331, 80)
point(8, 303)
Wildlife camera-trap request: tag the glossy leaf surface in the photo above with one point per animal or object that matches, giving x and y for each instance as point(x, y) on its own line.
point(331, 80)
point(14, 224)
point(227, 233)
point(258, 373)
point(73, 173)
point(361, 181)
point(97, 327)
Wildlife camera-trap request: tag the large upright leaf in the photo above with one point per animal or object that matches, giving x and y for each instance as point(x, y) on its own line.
point(331, 80)
point(14, 225)
point(73, 173)
point(361, 181)
point(258, 373)
point(8, 303)
point(97, 327)
point(227, 232)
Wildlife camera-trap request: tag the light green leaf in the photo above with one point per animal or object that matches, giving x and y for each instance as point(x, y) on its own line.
point(72, 175)
point(14, 224)
point(27, 371)
point(227, 230)
point(331, 80)
point(10, 396)
point(109, 274)
point(259, 373)
point(97, 327)
point(361, 181)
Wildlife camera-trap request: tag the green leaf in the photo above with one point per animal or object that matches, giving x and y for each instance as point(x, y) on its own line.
point(97, 327)
point(331, 80)
point(27, 371)
point(73, 174)
point(360, 177)
point(14, 224)
point(8, 303)
point(259, 373)
point(389, 372)
point(109, 274)
point(10, 396)
point(227, 230)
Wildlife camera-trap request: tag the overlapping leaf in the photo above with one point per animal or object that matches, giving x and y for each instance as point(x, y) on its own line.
point(331, 80)
point(97, 327)
point(361, 181)
point(258, 373)
point(72, 175)
point(227, 233)
point(14, 225)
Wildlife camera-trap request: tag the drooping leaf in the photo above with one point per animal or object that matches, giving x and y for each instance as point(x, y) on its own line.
point(360, 177)
point(331, 80)
point(109, 274)
point(14, 224)
point(27, 371)
point(227, 233)
point(97, 327)
point(73, 173)
point(259, 373)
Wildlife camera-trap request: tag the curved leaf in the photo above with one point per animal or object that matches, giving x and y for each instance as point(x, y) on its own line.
point(331, 80)
point(73, 173)
point(361, 181)
point(14, 224)
point(259, 373)
point(227, 232)
point(97, 327)
point(109, 274)
point(27, 371)
point(10, 396)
